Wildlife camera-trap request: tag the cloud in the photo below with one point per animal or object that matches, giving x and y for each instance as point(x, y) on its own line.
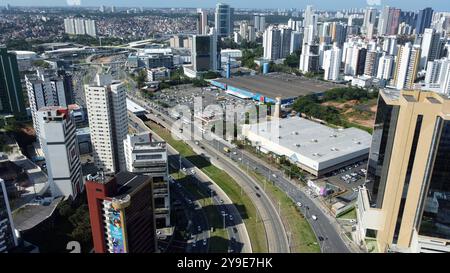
point(373, 2)
point(73, 2)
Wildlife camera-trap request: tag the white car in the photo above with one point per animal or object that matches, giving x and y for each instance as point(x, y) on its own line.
point(352, 221)
point(314, 217)
point(231, 217)
point(299, 204)
point(192, 172)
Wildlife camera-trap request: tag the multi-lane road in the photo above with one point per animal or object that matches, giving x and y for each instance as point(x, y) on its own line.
point(239, 241)
point(277, 240)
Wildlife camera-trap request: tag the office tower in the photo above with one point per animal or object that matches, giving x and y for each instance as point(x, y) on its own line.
point(113, 9)
point(90, 28)
point(389, 21)
point(204, 52)
point(272, 43)
point(371, 63)
point(322, 48)
point(332, 63)
point(437, 77)
point(148, 157)
point(370, 16)
point(69, 26)
point(223, 20)
point(8, 239)
point(244, 30)
point(309, 59)
point(408, 61)
point(59, 144)
point(108, 122)
point(385, 67)
point(424, 20)
point(296, 41)
point(47, 88)
point(405, 200)
point(405, 29)
point(102, 8)
point(294, 25)
point(338, 33)
point(409, 18)
point(121, 212)
point(11, 97)
point(432, 46)
point(308, 35)
point(202, 22)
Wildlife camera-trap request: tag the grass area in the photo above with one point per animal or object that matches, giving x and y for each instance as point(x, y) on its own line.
point(371, 245)
point(244, 205)
point(351, 214)
point(303, 239)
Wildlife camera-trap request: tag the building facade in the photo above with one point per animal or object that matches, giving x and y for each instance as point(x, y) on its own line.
point(121, 213)
point(8, 239)
point(404, 203)
point(11, 97)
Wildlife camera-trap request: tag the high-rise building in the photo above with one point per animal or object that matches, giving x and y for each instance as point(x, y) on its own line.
point(296, 41)
point(272, 43)
point(149, 157)
point(59, 142)
point(259, 23)
point(108, 122)
point(90, 28)
point(371, 63)
point(386, 67)
point(355, 59)
point(432, 46)
point(223, 20)
point(332, 63)
point(11, 96)
point(437, 77)
point(390, 45)
point(202, 22)
point(424, 20)
point(47, 88)
point(338, 33)
point(389, 21)
point(286, 36)
point(404, 203)
point(80, 27)
point(121, 212)
point(408, 61)
point(204, 54)
point(309, 58)
point(69, 26)
point(308, 16)
point(370, 16)
point(8, 239)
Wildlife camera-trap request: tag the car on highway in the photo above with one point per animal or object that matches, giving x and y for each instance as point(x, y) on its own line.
point(192, 172)
point(314, 217)
point(199, 228)
point(222, 212)
point(194, 244)
point(231, 217)
point(204, 242)
point(299, 204)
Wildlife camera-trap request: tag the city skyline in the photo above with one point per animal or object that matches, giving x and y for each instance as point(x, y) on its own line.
point(285, 4)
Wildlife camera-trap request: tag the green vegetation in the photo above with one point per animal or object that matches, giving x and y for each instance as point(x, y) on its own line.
point(351, 214)
point(41, 63)
point(242, 202)
point(311, 106)
point(72, 220)
point(293, 60)
point(303, 239)
point(249, 56)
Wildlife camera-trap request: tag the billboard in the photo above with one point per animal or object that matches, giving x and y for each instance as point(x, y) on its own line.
point(116, 231)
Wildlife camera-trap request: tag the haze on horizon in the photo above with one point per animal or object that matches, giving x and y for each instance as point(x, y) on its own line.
point(262, 4)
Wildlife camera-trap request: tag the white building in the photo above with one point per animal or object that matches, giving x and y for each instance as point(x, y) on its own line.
point(315, 148)
point(158, 74)
point(431, 47)
point(45, 89)
point(108, 122)
point(437, 77)
point(91, 28)
point(146, 156)
point(8, 239)
point(309, 58)
point(272, 43)
point(385, 67)
point(408, 61)
point(59, 143)
point(69, 26)
point(332, 63)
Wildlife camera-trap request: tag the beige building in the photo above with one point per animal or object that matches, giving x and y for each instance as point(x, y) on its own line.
point(405, 203)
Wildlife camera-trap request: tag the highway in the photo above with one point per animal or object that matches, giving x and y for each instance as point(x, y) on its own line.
point(277, 240)
point(239, 241)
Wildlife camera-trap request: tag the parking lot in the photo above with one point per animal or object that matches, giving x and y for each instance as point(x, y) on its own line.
point(350, 177)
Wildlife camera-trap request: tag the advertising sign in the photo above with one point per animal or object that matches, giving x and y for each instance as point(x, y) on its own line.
point(116, 231)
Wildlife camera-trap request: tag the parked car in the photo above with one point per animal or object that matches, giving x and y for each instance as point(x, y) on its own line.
point(314, 217)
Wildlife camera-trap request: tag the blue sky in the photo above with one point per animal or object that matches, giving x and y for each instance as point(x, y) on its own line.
point(321, 4)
